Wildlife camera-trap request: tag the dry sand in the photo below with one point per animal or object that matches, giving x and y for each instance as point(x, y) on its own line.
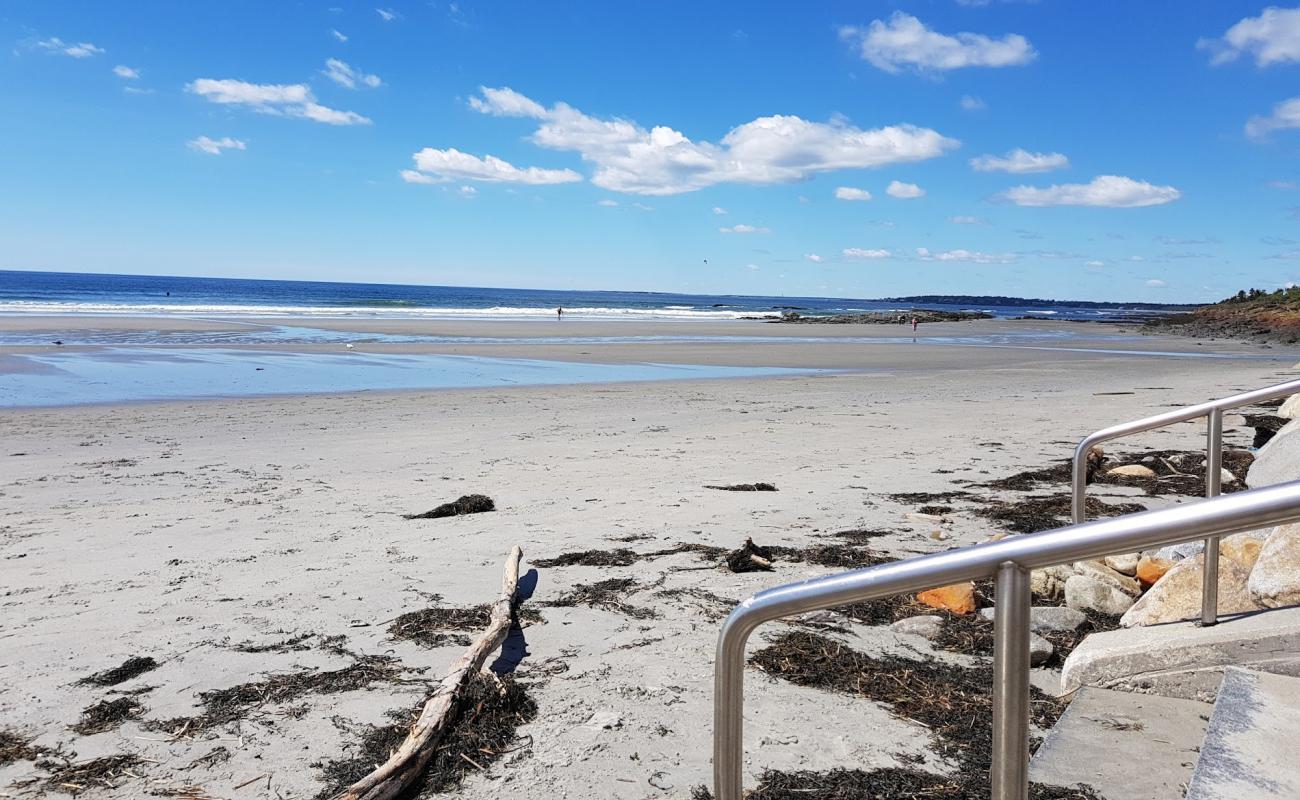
point(179, 530)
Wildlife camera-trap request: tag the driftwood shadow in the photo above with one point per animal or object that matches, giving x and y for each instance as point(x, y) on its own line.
point(515, 648)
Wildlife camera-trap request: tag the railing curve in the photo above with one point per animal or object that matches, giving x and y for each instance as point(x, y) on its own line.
point(1213, 412)
point(1009, 562)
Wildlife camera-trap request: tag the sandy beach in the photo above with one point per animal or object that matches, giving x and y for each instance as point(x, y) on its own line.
point(202, 532)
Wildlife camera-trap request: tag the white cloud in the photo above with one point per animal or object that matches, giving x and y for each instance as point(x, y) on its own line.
point(1110, 191)
point(905, 42)
point(720, 211)
point(1286, 115)
point(436, 166)
point(344, 75)
point(387, 14)
point(79, 50)
point(643, 207)
point(972, 103)
point(126, 72)
point(213, 147)
point(814, 258)
point(904, 191)
point(1272, 38)
point(1284, 185)
point(338, 35)
point(289, 100)
point(974, 256)
point(1094, 263)
point(607, 203)
point(662, 161)
point(1020, 161)
point(858, 253)
point(850, 193)
point(967, 220)
point(1156, 283)
point(745, 229)
point(467, 191)
point(752, 267)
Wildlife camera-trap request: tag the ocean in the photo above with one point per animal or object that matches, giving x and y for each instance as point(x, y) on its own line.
point(67, 292)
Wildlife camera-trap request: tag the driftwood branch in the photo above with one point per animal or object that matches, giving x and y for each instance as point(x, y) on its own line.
point(409, 761)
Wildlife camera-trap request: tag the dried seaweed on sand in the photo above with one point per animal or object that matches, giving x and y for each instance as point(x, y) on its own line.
point(131, 668)
point(608, 594)
point(107, 715)
point(484, 732)
point(467, 504)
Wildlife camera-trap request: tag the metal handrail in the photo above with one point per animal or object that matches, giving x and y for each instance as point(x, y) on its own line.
point(1213, 412)
point(1009, 561)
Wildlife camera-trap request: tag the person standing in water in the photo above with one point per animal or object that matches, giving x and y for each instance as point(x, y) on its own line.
point(559, 313)
point(914, 324)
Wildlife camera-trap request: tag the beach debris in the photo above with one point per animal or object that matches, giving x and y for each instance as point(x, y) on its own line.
point(745, 487)
point(16, 747)
point(438, 626)
point(107, 715)
point(896, 783)
point(713, 606)
point(133, 667)
point(952, 700)
point(750, 558)
point(608, 594)
point(1266, 427)
point(959, 598)
point(466, 504)
point(1131, 471)
point(484, 732)
point(927, 626)
point(293, 644)
point(105, 772)
point(406, 765)
point(1035, 513)
point(620, 557)
point(223, 706)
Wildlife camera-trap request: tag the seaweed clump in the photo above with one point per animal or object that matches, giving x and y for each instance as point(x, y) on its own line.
point(131, 668)
point(106, 772)
point(621, 557)
point(15, 747)
point(484, 732)
point(1042, 512)
point(895, 783)
point(953, 701)
point(438, 626)
point(607, 594)
point(745, 487)
point(106, 715)
point(467, 504)
point(234, 703)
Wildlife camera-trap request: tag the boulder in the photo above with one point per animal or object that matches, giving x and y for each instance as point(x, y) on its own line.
point(958, 598)
point(1177, 552)
point(1291, 408)
point(1275, 580)
point(1047, 619)
point(1177, 595)
point(1123, 564)
point(1040, 650)
point(1278, 461)
point(1151, 568)
point(1243, 548)
point(1085, 593)
point(1049, 583)
point(1131, 471)
point(1101, 572)
point(926, 625)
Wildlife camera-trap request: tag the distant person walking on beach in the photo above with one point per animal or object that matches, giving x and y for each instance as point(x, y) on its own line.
point(913, 324)
point(559, 313)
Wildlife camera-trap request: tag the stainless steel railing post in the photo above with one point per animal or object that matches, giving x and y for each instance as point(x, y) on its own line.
point(1009, 773)
point(1213, 482)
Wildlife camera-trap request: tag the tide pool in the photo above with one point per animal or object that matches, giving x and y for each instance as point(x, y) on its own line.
point(125, 374)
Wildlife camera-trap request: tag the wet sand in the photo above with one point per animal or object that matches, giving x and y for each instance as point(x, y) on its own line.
point(195, 532)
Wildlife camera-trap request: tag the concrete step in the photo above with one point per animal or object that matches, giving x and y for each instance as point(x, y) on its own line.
point(1182, 659)
point(1250, 745)
point(1124, 745)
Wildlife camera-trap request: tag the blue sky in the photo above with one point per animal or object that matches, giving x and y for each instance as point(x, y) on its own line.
point(1089, 150)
